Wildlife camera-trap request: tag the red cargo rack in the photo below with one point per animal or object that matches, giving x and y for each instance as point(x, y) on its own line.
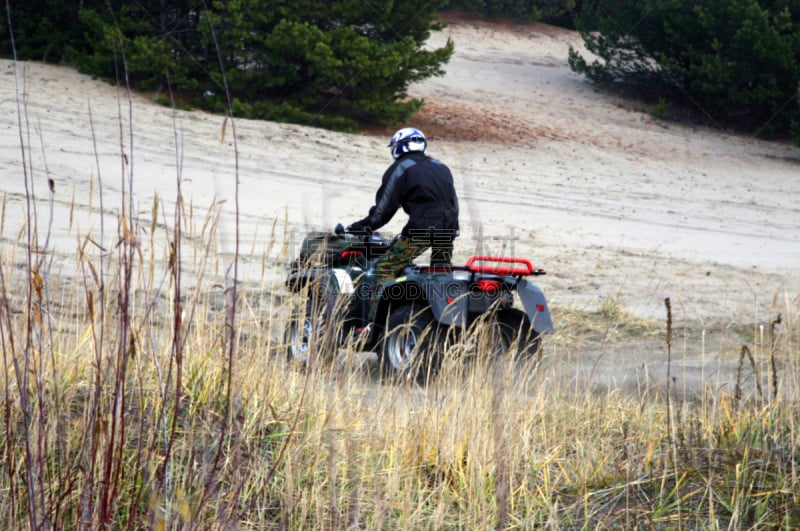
point(526, 269)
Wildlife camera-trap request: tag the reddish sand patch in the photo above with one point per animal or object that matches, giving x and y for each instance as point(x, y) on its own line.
point(447, 121)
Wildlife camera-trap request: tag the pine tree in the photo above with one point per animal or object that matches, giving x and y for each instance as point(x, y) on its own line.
point(735, 62)
point(331, 64)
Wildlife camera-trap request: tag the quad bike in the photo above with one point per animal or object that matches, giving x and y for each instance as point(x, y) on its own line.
point(420, 312)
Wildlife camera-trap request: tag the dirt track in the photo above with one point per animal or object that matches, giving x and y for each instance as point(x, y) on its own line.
point(621, 209)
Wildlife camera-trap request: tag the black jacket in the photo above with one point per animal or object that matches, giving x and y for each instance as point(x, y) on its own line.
point(423, 186)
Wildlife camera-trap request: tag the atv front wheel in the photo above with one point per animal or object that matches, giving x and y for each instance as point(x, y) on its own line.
point(306, 332)
point(409, 345)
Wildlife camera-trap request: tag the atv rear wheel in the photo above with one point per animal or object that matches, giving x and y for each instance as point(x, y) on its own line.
point(518, 333)
point(497, 334)
point(409, 346)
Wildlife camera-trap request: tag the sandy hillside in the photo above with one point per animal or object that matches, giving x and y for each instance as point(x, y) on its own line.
point(614, 204)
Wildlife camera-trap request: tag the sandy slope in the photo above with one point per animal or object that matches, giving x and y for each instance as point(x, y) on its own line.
point(613, 203)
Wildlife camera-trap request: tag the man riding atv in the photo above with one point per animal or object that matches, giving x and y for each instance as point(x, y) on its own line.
point(423, 187)
point(357, 285)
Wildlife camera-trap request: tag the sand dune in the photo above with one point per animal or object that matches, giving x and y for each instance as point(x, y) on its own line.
point(612, 202)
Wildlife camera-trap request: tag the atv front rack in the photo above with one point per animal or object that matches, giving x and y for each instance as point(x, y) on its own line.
point(484, 265)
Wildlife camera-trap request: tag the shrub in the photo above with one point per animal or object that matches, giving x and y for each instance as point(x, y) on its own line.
point(324, 63)
point(523, 10)
point(736, 62)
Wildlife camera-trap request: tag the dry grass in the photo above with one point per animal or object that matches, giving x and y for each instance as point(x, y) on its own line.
point(163, 424)
point(144, 385)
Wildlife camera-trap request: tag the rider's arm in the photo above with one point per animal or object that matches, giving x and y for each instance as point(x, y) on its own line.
point(387, 200)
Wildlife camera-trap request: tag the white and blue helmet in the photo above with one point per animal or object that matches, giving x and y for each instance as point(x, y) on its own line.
point(407, 140)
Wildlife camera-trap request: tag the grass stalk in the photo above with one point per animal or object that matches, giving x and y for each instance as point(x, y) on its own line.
point(153, 392)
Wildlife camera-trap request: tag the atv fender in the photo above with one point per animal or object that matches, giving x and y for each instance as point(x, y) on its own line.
point(336, 281)
point(297, 280)
point(446, 299)
point(448, 302)
point(535, 304)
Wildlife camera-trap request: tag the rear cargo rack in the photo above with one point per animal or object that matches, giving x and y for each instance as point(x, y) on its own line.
point(474, 268)
point(523, 266)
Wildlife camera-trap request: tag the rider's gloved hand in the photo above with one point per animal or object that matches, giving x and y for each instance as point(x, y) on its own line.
point(358, 227)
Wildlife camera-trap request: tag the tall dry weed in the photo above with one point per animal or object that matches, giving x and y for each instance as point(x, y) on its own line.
point(145, 385)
